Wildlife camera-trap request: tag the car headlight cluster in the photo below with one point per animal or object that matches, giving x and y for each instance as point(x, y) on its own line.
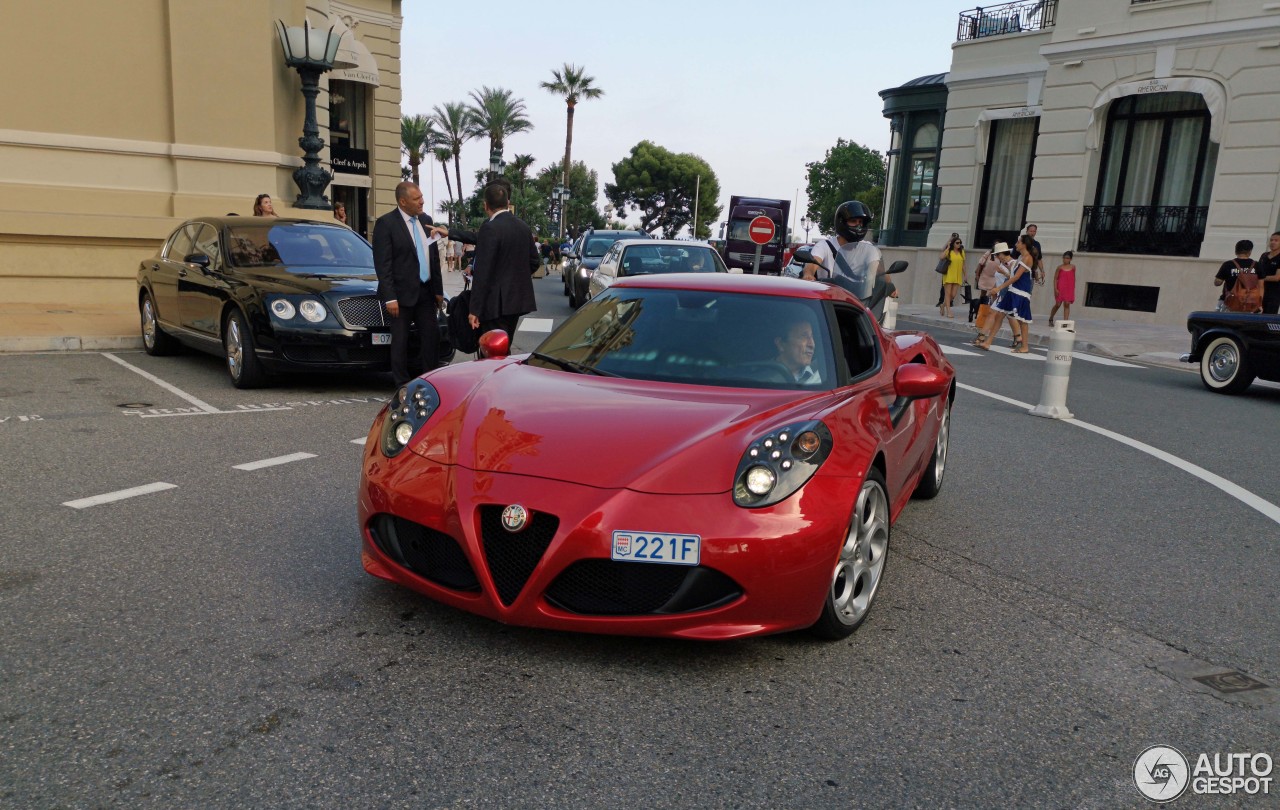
point(410, 408)
point(777, 464)
point(311, 309)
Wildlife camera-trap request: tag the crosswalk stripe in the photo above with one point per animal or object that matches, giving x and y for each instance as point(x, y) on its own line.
point(954, 352)
point(536, 325)
point(1103, 361)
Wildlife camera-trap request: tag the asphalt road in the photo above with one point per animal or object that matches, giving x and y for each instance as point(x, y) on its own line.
point(216, 643)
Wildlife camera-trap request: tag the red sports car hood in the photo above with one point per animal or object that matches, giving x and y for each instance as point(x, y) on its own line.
point(598, 431)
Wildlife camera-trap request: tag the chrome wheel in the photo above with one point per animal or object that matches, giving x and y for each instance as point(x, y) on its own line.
point(1224, 362)
point(857, 574)
point(235, 349)
point(940, 447)
point(148, 323)
point(1224, 367)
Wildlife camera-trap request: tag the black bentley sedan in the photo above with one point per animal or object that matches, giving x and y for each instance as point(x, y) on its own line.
point(1234, 348)
point(269, 295)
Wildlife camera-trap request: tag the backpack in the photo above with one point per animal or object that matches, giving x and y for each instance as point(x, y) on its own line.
point(463, 337)
point(1246, 292)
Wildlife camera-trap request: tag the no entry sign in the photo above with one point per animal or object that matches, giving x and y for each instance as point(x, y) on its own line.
point(761, 230)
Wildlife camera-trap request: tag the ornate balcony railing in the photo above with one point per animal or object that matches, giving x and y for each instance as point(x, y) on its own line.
point(1007, 18)
point(1150, 230)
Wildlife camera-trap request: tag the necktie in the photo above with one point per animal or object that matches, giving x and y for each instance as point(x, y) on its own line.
point(424, 269)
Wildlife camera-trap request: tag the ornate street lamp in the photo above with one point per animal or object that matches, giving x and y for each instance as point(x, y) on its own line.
point(806, 223)
point(496, 163)
point(311, 52)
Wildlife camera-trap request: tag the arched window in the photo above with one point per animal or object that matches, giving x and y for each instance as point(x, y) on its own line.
point(924, 166)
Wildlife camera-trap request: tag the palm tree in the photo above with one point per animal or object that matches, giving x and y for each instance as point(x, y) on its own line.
point(520, 165)
point(416, 135)
point(496, 114)
point(573, 83)
point(453, 122)
point(443, 154)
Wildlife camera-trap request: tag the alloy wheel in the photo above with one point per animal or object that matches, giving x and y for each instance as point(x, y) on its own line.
point(857, 574)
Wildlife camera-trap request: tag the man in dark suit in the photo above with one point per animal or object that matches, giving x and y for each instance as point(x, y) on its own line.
point(409, 283)
point(505, 260)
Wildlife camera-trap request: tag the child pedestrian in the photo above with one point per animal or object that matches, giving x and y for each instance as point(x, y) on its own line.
point(1064, 287)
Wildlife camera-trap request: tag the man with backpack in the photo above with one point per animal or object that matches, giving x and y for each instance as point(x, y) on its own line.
point(1241, 289)
point(848, 261)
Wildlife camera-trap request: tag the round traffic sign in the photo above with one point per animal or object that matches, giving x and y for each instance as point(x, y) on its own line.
point(761, 230)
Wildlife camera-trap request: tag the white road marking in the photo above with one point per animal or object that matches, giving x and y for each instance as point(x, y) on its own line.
point(536, 325)
point(1265, 507)
point(173, 389)
point(357, 441)
point(954, 352)
point(1103, 361)
point(272, 462)
point(1019, 355)
point(119, 495)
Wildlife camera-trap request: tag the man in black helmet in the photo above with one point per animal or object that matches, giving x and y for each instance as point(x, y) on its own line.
point(849, 260)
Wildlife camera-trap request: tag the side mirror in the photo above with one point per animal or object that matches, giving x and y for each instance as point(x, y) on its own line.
point(805, 256)
point(918, 381)
point(198, 259)
point(899, 266)
point(569, 254)
point(495, 344)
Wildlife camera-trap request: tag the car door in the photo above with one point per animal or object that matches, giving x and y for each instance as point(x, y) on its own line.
point(201, 290)
point(605, 274)
point(164, 275)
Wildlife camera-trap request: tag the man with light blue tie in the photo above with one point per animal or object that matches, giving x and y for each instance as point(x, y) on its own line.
point(409, 282)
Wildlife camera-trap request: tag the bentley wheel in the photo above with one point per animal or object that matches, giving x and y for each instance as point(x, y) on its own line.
point(242, 363)
point(860, 565)
point(931, 481)
point(1224, 367)
point(155, 340)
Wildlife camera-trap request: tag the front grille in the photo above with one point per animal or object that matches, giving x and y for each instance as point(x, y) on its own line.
point(512, 556)
point(612, 588)
point(337, 354)
point(311, 354)
point(431, 554)
point(362, 310)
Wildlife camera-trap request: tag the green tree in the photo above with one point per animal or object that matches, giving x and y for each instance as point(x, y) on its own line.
point(660, 184)
point(848, 172)
point(574, 85)
point(444, 154)
point(584, 186)
point(452, 122)
point(518, 170)
point(416, 136)
point(496, 115)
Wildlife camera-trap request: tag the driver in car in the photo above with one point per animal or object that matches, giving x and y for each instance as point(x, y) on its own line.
point(795, 348)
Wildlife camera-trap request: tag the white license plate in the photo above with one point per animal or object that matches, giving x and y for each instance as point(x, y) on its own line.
point(382, 338)
point(672, 549)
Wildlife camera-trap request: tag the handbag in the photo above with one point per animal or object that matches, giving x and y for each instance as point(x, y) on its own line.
point(943, 264)
point(966, 293)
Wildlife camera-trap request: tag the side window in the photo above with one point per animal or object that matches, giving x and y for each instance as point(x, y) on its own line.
point(858, 342)
point(180, 245)
point(609, 260)
point(206, 242)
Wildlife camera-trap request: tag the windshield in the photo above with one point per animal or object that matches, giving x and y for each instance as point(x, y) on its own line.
point(309, 248)
point(639, 260)
point(697, 337)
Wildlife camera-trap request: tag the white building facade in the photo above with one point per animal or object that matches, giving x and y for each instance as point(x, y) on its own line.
point(1144, 135)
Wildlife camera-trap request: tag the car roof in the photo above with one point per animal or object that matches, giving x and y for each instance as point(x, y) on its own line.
point(737, 283)
point(663, 242)
point(219, 222)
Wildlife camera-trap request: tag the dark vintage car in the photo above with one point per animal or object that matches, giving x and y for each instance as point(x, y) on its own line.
point(1234, 348)
point(268, 295)
point(584, 257)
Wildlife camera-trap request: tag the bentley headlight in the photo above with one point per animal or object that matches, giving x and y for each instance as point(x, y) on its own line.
point(282, 309)
point(408, 411)
point(778, 463)
point(313, 311)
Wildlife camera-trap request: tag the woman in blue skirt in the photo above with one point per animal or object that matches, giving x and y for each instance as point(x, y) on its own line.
point(1014, 301)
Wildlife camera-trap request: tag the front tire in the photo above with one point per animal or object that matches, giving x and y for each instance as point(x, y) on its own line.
point(155, 340)
point(931, 482)
point(242, 361)
point(860, 565)
point(1224, 369)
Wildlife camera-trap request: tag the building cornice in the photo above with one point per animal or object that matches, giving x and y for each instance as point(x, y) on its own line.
point(1221, 33)
point(121, 146)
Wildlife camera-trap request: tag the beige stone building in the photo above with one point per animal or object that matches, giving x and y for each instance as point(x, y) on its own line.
point(1142, 134)
point(130, 117)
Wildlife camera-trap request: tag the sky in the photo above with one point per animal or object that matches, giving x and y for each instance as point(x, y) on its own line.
point(756, 89)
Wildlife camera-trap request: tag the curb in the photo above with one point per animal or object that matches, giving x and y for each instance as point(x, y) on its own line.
point(15, 345)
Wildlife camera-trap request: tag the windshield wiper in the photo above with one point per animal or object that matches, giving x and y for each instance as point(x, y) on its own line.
point(569, 365)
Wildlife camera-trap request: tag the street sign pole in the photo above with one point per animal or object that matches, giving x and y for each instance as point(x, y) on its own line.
point(755, 268)
point(761, 231)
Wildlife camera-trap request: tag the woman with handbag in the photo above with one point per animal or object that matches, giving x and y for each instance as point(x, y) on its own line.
point(953, 255)
point(985, 276)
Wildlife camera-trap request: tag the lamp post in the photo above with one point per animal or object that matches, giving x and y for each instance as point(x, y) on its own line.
point(806, 223)
point(608, 215)
point(496, 163)
point(311, 52)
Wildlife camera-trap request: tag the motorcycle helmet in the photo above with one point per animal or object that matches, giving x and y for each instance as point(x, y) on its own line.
point(848, 210)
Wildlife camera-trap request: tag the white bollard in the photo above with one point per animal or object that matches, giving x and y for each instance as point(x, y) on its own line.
point(1057, 373)
point(890, 322)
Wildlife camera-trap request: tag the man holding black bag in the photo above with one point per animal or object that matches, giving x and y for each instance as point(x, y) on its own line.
point(849, 261)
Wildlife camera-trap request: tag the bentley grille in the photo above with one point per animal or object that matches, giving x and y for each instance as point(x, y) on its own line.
point(363, 310)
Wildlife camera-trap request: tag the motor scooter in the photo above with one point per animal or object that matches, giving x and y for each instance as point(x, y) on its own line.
point(880, 291)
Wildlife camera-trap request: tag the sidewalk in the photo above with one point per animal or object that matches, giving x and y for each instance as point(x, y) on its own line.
point(46, 328)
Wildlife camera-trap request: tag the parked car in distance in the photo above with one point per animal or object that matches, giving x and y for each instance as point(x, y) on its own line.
point(268, 295)
point(584, 257)
point(1234, 348)
point(640, 257)
point(743, 448)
